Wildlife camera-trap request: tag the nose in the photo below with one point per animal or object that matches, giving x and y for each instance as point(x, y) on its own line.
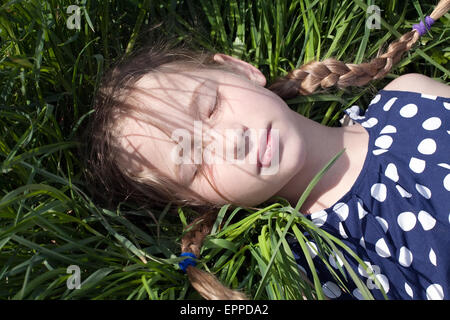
point(246, 142)
point(235, 140)
point(240, 143)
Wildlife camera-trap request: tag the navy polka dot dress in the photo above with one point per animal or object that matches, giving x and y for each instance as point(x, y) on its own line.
point(396, 216)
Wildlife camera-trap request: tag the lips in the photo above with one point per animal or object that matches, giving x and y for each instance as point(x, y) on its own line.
point(265, 148)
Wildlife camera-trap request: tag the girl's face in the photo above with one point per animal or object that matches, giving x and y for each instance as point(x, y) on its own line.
point(223, 105)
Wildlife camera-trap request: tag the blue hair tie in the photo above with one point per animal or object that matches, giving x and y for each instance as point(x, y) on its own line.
point(188, 261)
point(421, 27)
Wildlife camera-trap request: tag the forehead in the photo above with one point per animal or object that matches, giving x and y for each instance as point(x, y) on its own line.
point(165, 89)
point(165, 97)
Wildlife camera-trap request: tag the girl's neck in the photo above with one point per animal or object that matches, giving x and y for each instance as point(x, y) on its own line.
point(322, 143)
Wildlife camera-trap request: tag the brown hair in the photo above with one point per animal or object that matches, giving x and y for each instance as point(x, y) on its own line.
point(110, 104)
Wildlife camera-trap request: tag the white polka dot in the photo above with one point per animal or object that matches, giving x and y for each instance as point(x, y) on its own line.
point(408, 111)
point(406, 220)
point(409, 290)
point(312, 249)
point(369, 123)
point(333, 258)
point(388, 129)
point(375, 99)
point(432, 257)
point(379, 191)
point(444, 165)
point(427, 146)
point(391, 172)
point(381, 278)
point(362, 271)
point(341, 210)
point(426, 220)
point(403, 192)
point(417, 165)
point(405, 257)
point(432, 123)
point(379, 151)
point(428, 96)
point(357, 294)
point(382, 249)
point(331, 290)
point(342, 231)
point(424, 191)
point(361, 211)
point(447, 182)
point(447, 105)
point(383, 281)
point(362, 243)
point(435, 292)
point(383, 223)
point(389, 104)
point(384, 142)
point(319, 218)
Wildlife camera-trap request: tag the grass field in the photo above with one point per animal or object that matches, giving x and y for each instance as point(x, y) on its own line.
point(49, 69)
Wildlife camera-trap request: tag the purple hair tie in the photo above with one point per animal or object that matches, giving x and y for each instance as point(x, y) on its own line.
point(421, 28)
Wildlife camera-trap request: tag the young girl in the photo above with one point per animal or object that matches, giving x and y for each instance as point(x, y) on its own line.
point(386, 197)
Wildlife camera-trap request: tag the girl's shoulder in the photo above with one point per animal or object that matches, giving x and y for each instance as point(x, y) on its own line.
point(418, 83)
point(412, 88)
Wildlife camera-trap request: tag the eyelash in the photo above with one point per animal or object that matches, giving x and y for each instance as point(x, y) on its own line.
point(216, 106)
point(212, 113)
point(196, 172)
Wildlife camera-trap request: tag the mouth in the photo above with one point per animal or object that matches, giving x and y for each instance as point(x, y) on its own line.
point(265, 148)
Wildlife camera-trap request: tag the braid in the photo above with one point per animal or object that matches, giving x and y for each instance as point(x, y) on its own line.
point(205, 283)
point(333, 73)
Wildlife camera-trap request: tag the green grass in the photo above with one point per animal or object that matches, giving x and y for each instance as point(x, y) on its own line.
point(48, 75)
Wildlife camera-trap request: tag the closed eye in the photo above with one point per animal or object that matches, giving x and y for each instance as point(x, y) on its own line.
point(216, 106)
point(212, 114)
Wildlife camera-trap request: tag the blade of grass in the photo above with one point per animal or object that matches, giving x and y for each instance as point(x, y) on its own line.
point(300, 202)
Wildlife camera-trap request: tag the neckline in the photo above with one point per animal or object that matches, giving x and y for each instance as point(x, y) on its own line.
point(414, 93)
point(356, 185)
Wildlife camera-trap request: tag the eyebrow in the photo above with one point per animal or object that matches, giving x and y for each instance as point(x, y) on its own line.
point(191, 111)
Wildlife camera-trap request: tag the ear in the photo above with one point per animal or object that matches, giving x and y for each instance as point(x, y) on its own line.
point(242, 67)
